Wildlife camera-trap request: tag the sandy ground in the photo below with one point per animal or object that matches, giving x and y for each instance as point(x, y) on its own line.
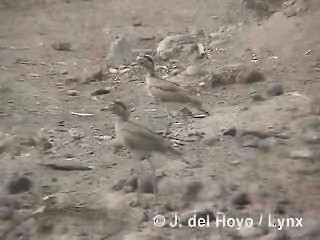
point(279, 174)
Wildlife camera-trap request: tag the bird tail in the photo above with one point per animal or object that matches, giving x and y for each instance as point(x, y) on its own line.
point(198, 104)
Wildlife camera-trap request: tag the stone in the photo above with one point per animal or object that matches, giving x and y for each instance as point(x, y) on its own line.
point(100, 91)
point(275, 90)
point(76, 134)
point(120, 52)
point(230, 132)
point(170, 46)
point(304, 153)
point(19, 184)
point(62, 46)
point(72, 92)
point(240, 200)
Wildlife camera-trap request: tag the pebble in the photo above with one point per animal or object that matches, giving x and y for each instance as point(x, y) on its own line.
point(19, 184)
point(230, 132)
point(62, 46)
point(240, 200)
point(275, 90)
point(100, 92)
point(72, 92)
point(302, 154)
point(76, 134)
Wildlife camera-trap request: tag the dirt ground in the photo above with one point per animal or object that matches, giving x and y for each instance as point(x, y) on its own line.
point(41, 89)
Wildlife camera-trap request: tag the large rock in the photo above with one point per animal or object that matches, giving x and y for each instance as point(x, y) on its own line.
point(172, 46)
point(120, 52)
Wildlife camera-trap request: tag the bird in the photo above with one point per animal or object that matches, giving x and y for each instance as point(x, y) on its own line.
point(165, 91)
point(140, 141)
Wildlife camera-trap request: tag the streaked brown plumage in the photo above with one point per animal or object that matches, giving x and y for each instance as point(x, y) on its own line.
point(139, 140)
point(165, 91)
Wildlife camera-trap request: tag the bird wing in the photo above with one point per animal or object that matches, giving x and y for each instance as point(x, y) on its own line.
point(168, 96)
point(164, 85)
point(138, 137)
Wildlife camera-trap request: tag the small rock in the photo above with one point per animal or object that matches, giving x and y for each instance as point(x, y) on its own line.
point(210, 141)
point(100, 92)
point(137, 23)
point(275, 90)
point(302, 154)
point(19, 184)
point(249, 140)
point(62, 46)
point(230, 132)
point(240, 200)
point(76, 134)
point(113, 70)
point(202, 84)
point(120, 52)
point(72, 92)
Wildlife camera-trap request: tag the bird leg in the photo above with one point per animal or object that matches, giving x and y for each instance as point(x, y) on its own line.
point(169, 123)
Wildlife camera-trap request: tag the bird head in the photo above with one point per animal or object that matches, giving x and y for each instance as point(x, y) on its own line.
point(146, 61)
point(119, 108)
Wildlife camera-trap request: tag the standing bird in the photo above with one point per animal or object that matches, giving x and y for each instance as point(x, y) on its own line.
point(165, 91)
point(139, 140)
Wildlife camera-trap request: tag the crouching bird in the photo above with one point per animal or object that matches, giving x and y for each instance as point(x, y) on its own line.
point(140, 141)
